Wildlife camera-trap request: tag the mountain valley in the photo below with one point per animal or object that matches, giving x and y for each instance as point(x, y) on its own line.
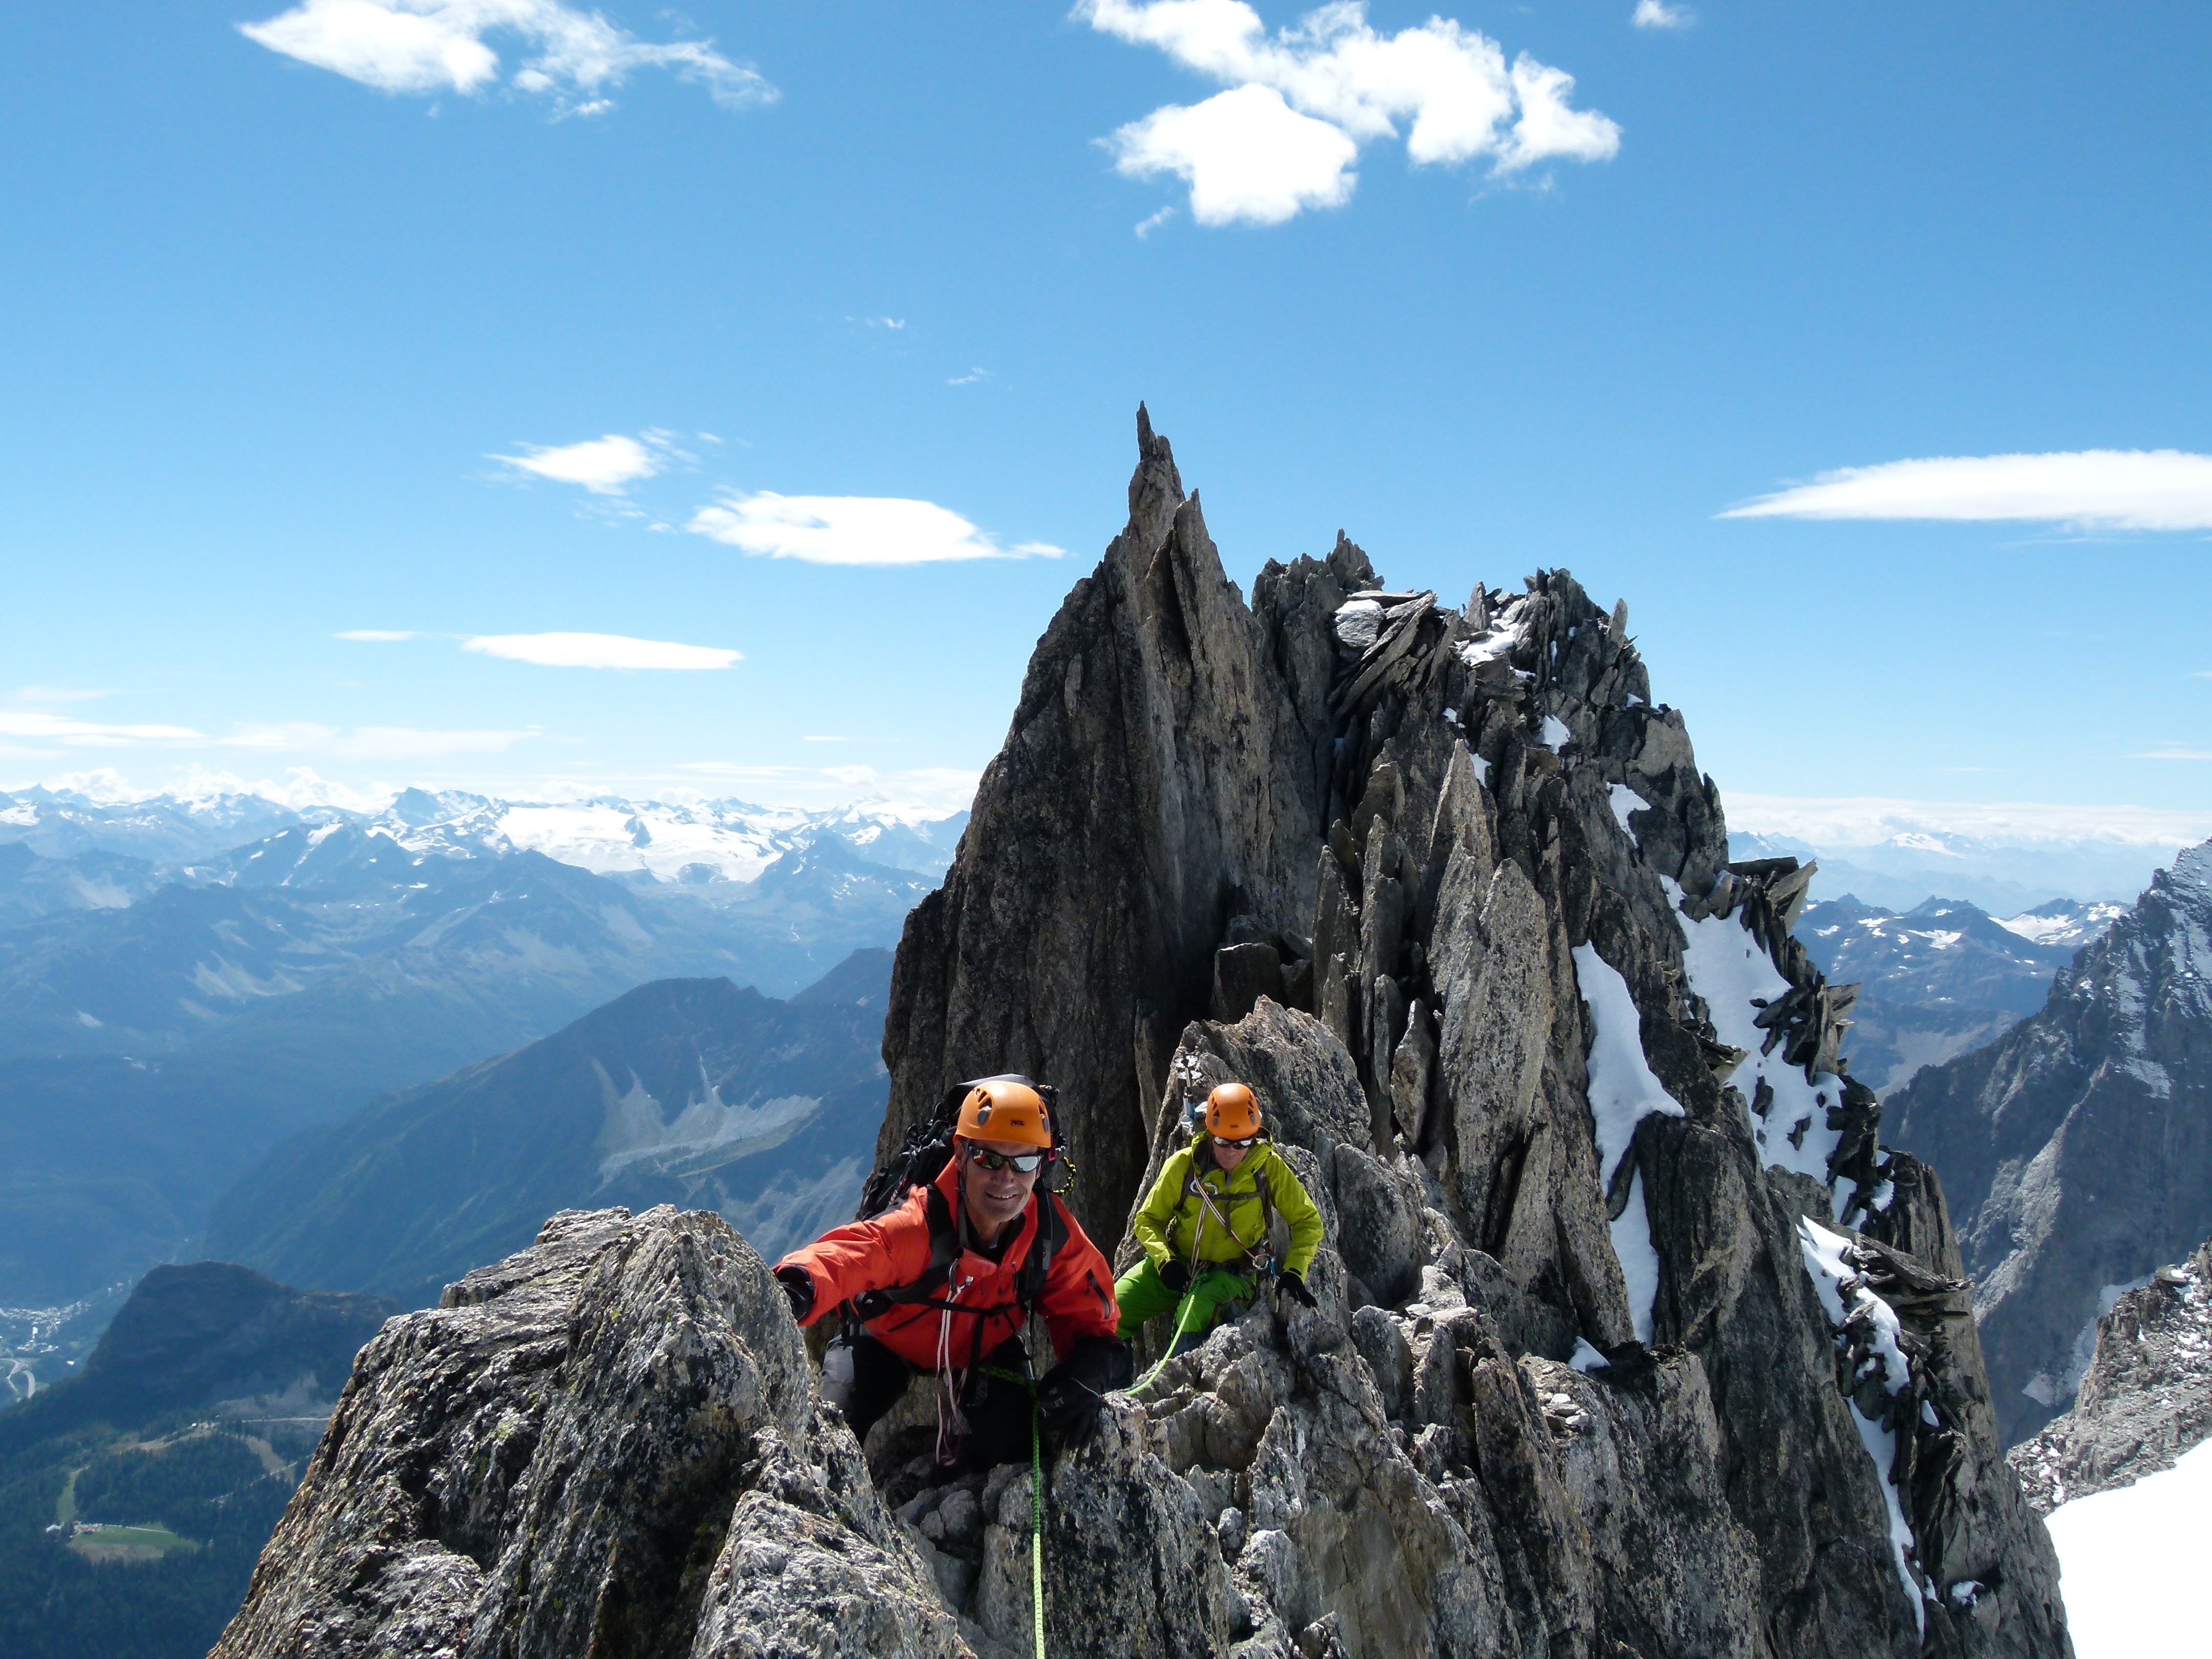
point(695, 1092)
point(1942, 978)
point(163, 1025)
point(135, 1494)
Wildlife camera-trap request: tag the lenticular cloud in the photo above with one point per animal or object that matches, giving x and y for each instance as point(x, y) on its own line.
point(2104, 488)
point(851, 529)
point(1303, 100)
point(598, 651)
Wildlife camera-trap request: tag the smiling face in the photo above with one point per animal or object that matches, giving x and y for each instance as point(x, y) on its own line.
point(1230, 1156)
point(995, 1197)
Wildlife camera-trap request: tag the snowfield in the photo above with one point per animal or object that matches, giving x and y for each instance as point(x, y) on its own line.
point(2127, 1559)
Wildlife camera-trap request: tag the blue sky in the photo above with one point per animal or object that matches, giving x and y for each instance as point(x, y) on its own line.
point(273, 304)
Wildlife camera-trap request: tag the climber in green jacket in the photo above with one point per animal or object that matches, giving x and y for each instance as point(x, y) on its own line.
point(1205, 1227)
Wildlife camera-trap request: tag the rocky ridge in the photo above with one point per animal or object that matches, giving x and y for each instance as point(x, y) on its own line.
point(2078, 1147)
point(1631, 1340)
point(2145, 1400)
point(1569, 1081)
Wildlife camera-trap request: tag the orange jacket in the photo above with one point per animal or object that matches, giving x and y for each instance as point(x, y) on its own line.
point(976, 1310)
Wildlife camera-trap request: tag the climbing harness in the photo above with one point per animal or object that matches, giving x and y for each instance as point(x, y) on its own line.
point(1259, 1255)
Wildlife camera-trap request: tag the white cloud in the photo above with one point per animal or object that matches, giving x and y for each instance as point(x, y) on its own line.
point(2176, 752)
point(2103, 488)
point(103, 784)
point(970, 377)
point(301, 787)
point(431, 47)
point(1448, 86)
point(598, 651)
point(1152, 222)
point(1655, 15)
point(377, 636)
point(851, 529)
point(1870, 821)
point(602, 465)
point(1247, 155)
point(90, 734)
point(1548, 128)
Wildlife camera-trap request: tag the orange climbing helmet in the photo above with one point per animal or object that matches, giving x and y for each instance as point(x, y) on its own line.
point(999, 1108)
point(1232, 1113)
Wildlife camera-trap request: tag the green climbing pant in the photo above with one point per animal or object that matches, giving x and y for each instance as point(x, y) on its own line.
point(1142, 1297)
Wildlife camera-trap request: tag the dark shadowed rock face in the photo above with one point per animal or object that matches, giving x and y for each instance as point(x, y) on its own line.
point(1631, 1342)
point(2145, 1400)
point(2078, 1147)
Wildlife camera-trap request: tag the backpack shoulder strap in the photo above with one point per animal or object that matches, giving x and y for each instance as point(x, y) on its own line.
point(1037, 1267)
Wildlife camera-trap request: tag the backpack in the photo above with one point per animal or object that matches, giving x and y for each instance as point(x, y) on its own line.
point(928, 1147)
point(918, 1163)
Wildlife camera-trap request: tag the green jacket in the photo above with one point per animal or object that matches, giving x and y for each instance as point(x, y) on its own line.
point(1174, 1217)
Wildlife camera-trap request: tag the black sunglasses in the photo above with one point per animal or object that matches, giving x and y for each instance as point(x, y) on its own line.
point(1238, 1145)
point(1020, 1163)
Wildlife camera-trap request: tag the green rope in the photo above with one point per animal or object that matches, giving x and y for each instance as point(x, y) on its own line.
point(1182, 1312)
point(1036, 1522)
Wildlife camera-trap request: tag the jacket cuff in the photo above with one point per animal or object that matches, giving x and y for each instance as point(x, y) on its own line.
point(825, 1293)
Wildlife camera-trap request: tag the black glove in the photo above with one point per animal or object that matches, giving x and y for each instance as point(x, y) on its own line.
point(1177, 1276)
point(799, 1287)
point(1294, 1286)
point(1069, 1397)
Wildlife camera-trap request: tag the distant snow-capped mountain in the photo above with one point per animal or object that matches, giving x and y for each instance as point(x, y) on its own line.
point(1942, 978)
point(1948, 951)
point(697, 844)
point(2076, 1151)
point(2003, 877)
point(713, 840)
point(2064, 924)
point(162, 830)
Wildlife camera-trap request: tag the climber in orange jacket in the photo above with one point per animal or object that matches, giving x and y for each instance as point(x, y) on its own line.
point(946, 1282)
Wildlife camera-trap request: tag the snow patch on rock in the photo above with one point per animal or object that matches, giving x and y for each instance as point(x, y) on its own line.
point(1731, 969)
point(1845, 1297)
